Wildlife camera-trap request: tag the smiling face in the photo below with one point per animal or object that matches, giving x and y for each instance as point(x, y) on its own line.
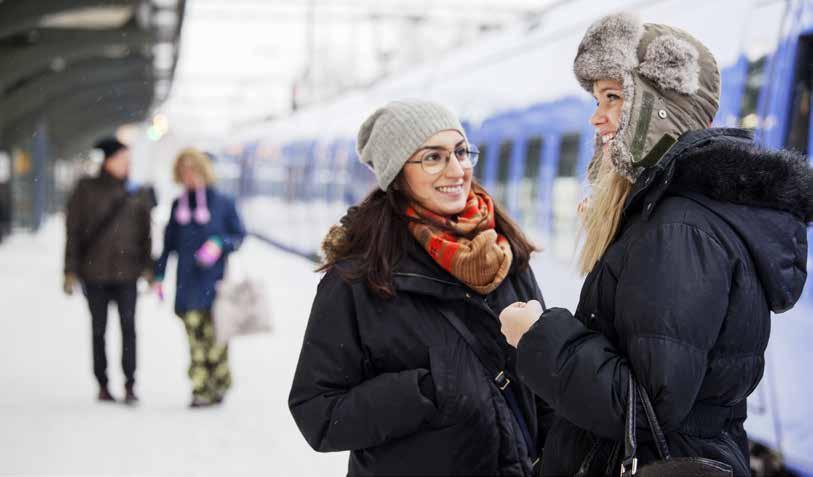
point(444, 193)
point(607, 117)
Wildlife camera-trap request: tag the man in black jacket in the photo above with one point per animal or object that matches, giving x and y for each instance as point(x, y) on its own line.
point(108, 248)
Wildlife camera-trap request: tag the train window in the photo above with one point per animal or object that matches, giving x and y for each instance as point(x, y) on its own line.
point(762, 33)
point(481, 165)
point(500, 192)
point(799, 120)
point(755, 78)
point(529, 184)
point(568, 156)
point(566, 189)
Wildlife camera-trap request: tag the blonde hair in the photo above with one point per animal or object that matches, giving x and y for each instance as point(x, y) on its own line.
point(603, 214)
point(195, 159)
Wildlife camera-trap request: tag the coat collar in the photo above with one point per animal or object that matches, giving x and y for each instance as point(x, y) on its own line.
point(766, 197)
point(724, 164)
point(653, 183)
point(418, 273)
point(106, 178)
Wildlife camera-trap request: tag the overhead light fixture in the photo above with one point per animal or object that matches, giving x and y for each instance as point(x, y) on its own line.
point(58, 64)
point(162, 89)
point(163, 56)
point(165, 19)
point(158, 128)
point(116, 51)
point(97, 18)
point(165, 3)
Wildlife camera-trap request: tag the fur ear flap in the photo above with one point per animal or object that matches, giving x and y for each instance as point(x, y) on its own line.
point(608, 49)
point(672, 64)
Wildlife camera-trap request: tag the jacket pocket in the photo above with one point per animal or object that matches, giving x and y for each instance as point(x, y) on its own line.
point(455, 385)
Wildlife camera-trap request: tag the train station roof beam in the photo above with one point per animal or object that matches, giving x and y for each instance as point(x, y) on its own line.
point(21, 16)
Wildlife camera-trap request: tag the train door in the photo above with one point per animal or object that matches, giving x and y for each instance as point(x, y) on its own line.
point(499, 188)
point(528, 186)
point(479, 169)
point(798, 126)
point(361, 178)
point(489, 155)
point(565, 197)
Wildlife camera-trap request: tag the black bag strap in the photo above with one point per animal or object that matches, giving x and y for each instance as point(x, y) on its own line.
point(654, 426)
point(92, 237)
point(630, 438)
point(500, 378)
point(637, 391)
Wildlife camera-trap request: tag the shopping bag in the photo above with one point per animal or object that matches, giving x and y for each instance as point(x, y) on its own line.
point(240, 308)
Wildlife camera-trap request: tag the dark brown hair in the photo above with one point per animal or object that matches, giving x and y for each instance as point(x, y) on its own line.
point(373, 236)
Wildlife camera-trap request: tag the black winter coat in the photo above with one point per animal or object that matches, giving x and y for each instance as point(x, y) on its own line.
point(365, 376)
point(712, 239)
point(122, 251)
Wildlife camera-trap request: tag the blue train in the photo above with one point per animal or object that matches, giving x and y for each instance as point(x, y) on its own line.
point(527, 115)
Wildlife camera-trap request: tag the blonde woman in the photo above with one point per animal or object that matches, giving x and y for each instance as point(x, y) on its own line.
point(203, 230)
point(693, 236)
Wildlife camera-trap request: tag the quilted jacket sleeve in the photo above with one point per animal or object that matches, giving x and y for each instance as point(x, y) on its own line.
point(671, 299)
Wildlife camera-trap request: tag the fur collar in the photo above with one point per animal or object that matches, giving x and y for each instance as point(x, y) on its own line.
point(765, 196)
point(744, 173)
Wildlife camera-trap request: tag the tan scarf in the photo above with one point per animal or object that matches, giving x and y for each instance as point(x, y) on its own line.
point(466, 245)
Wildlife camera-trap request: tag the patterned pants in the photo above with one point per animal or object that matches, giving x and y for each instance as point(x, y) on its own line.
point(209, 362)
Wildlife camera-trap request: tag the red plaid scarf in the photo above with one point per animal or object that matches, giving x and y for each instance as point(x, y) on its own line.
point(466, 245)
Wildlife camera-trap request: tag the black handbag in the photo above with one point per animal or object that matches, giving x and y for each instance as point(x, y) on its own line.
point(667, 466)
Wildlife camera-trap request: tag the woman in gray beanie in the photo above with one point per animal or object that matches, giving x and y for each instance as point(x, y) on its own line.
point(693, 236)
point(403, 362)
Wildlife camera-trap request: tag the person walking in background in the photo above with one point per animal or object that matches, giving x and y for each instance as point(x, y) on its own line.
point(203, 229)
point(403, 362)
point(693, 236)
point(108, 248)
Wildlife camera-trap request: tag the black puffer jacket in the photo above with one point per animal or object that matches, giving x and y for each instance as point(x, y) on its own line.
point(713, 238)
point(365, 362)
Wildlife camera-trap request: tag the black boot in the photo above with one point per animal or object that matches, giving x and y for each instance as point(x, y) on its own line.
point(104, 395)
point(130, 397)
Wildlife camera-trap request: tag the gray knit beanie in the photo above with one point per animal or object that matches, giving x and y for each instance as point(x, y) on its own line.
point(389, 137)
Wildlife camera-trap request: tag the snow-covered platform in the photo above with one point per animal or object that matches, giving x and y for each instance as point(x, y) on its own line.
point(50, 423)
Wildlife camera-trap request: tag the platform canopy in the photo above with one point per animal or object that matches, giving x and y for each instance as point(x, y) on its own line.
point(78, 69)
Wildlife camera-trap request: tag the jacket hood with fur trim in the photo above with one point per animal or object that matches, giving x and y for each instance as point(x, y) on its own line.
point(765, 196)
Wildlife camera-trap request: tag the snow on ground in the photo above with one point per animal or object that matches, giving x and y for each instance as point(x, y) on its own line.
point(50, 423)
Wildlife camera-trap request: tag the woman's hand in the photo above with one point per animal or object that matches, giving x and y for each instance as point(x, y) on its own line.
point(209, 253)
point(158, 289)
point(517, 318)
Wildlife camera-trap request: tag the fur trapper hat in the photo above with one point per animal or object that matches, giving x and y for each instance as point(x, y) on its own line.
point(670, 82)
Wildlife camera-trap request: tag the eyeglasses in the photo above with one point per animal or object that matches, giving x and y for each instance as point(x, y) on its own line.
point(436, 161)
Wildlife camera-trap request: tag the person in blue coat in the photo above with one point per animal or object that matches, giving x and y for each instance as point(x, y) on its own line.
point(203, 229)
